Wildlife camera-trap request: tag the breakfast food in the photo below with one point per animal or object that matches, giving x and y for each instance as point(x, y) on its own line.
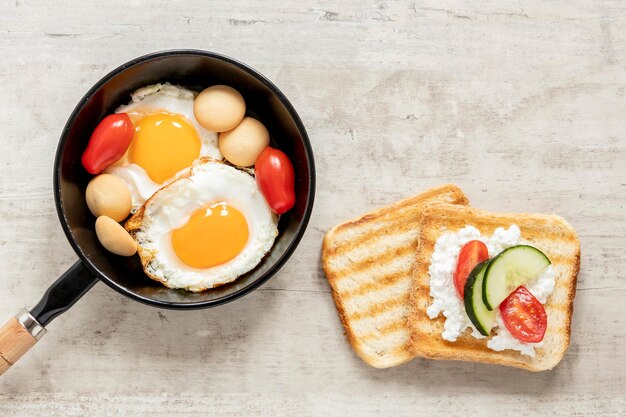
point(225, 224)
point(197, 221)
point(167, 140)
point(507, 266)
point(219, 108)
point(517, 305)
point(114, 238)
point(107, 195)
point(431, 277)
point(275, 177)
point(242, 145)
point(108, 142)
point(368, 263)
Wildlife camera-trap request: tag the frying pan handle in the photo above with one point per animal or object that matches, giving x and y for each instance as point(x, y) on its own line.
point(21, 332)
point(17, 336)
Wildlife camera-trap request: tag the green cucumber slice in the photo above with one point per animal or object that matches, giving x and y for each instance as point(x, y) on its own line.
point(476, 310)
point(511, 268)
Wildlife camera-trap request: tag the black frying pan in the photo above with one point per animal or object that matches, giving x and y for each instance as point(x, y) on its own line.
point(196, 70)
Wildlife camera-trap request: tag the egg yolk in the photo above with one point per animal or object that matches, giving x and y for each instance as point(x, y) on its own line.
point(164, 144)
point(212, 236)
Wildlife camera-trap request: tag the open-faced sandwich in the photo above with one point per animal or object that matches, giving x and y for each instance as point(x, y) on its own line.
point(431, 277)
point(493, 287)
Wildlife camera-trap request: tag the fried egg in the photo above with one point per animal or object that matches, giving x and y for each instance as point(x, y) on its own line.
point(167, 140)
point(204, 230)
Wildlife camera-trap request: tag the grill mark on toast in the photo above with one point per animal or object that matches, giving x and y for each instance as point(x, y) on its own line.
point(373, 261)
point(382, 348)
point(382, 296)
point(402, 350)
point(376, 309)
point(349, 258)
point(395, 326)
point(377, 284)
point(366, 324)
point(394, 229)
point(358, 278)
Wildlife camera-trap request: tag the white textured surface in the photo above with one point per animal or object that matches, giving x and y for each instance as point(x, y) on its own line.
point(522, 104)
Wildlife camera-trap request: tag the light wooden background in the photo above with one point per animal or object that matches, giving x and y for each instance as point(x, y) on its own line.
point(523, 104)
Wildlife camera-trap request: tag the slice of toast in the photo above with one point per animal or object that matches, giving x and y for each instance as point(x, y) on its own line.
point(551, 234)
point(368, 263)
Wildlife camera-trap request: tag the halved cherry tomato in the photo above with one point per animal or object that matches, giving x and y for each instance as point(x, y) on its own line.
point(524, 316)
point(108, 142)
point(275, 177)
point(471, 254)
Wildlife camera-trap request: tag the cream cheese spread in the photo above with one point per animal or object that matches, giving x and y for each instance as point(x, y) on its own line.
point(446, 301)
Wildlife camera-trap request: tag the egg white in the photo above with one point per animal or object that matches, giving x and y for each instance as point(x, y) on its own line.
point(172, 206)
point(153, 99)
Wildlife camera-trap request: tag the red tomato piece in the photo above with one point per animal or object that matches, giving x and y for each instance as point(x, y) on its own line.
point(108, 142)
point(471, 254)
point(524, 316)
point(275, 177)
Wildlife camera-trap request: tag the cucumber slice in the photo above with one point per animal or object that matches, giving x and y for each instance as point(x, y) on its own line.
point(476, 310)
point(511, 268)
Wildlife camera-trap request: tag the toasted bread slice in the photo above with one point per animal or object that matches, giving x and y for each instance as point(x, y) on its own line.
point(368, 263)
point(551, 234)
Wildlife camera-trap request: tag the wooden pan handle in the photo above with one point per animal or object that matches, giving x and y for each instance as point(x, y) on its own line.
point(17, 336)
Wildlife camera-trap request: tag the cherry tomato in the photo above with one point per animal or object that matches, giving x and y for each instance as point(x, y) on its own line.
point(524, 316)
point(472, 253)
point(275, 177)
point(108, 142)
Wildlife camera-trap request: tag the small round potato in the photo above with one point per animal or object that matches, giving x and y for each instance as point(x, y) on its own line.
point(108, 195)
point(114, 237)
point(219, 108)
point(243, 145)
